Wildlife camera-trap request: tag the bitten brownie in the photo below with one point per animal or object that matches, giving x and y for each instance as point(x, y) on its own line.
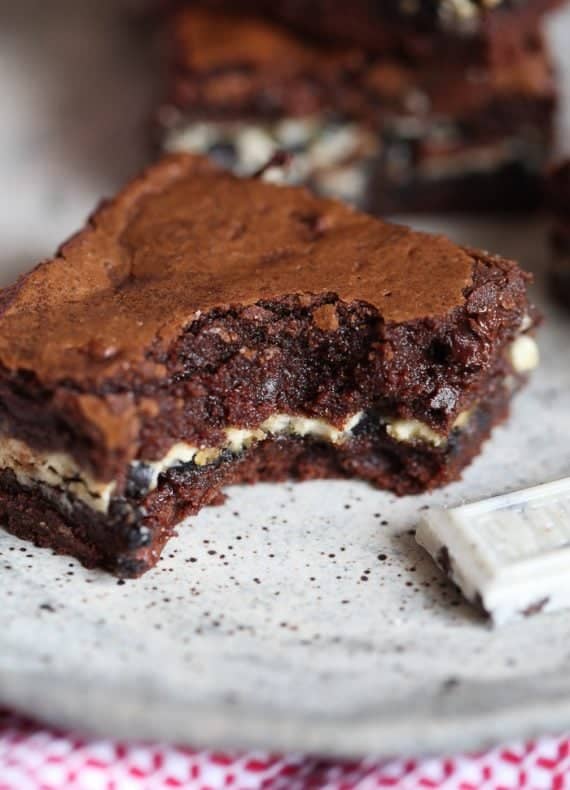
point(385, 133)
point(559, 204)
point(204, 329)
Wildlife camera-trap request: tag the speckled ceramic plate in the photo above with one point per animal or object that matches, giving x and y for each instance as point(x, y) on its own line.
point(293, 617)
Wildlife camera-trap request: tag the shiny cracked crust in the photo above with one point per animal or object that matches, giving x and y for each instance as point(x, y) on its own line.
point(188, 238)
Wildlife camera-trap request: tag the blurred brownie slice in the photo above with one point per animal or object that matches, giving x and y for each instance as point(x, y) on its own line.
point(203, 330)
point(481, 145)
point(385, 133)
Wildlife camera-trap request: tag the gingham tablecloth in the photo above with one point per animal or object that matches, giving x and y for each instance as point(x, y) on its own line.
point(37, 758)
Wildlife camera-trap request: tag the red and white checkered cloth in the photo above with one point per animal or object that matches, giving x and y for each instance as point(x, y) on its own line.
point(35, 758)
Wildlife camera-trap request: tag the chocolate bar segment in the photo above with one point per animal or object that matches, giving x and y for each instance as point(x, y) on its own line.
point(508, 554)
point(205, 329)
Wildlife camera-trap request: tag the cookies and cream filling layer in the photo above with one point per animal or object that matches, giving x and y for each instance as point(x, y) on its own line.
point(480, 159)
point(239, 439)
point(59, 470)
point(414, 431)
point(446, 159)
point(331, 155)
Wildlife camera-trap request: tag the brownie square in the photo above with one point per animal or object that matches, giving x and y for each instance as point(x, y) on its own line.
point(203, 330)
point(385, 133)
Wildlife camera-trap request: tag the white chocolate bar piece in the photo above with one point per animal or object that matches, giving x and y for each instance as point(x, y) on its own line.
point(510, 554)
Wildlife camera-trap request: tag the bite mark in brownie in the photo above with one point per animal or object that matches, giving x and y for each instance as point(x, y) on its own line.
point(205, 329)
point(127, 540)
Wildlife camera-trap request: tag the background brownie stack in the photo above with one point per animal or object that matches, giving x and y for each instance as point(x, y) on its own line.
point(395, 105)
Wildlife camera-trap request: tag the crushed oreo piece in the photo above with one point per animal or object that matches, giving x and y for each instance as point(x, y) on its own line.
point(139, 480)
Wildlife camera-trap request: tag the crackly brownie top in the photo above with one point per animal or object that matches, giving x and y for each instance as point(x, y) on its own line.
point(232, 65)
point(187, 237)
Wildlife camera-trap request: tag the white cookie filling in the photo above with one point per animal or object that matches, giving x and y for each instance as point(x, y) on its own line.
point(60, 470)
point(523, 354)
point(331, 155)
point(239, 439)
point(482, 159)
point(55, 470)
point(448, 154)
point(412, 431)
